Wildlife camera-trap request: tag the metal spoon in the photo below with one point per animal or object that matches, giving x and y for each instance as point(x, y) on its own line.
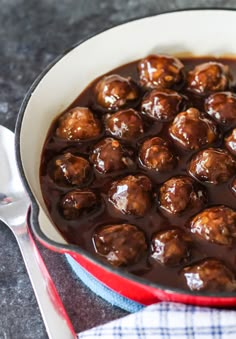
point(14, 204)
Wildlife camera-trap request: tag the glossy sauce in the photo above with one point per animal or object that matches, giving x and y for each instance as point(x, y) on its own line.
point(80, 231)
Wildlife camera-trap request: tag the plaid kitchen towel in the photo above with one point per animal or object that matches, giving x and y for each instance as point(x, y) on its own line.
point(169, 321)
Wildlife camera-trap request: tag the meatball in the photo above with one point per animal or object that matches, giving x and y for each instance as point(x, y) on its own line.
point(192, 131)
point(76, 202)
point(230, 142)
point(109, 156)
point(114, 92)
point(162, 104)
point(131, 195)
point(126, 124)
point(210, 275)
point(160, 71)
point(212, 165)
point(208, 77)
point(233, 186)
point(69, 169)
point(216, 224)
point(222, 107)
point(120, 245)
point(170, 247)
point(78, 124)
point(182, 193)
point(156, 154)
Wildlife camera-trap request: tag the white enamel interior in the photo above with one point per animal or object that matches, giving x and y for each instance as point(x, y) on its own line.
point(210, 32)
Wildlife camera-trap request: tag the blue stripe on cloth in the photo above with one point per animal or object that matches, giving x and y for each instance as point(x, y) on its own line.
point(101, 290)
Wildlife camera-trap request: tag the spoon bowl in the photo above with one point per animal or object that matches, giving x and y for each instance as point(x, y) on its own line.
point(14, 204)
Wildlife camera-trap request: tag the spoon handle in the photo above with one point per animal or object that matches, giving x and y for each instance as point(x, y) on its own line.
point(55, 318)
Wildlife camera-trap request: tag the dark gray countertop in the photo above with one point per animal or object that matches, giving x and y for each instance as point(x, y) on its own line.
point(33, 33)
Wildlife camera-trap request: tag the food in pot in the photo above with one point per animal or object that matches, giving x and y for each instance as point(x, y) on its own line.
point(162, 104)
point(121, 244)
point(140, 171)
point(125, 124)
point(76, 202)
point(192, 131)
point(109, 156)
point(131, 195)
point(182, 193)
point(156, 154)
point(208, 77)
point(230, 142)
point(221, 106)
point(171, 247)
point(69, 169)
point(210, 275)
point(160, 71)
point(216, 224)
point(78, 123)
point(114, 92)
point(213, 165)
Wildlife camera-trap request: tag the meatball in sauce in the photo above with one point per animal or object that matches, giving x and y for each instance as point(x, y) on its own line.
point(182, 193)
point(109, 156)
point(192, 131)
point(160, 71)
point(114, 92)
point(171, 247)
point(77, 202)
point(120, 245)
point(69, 169)
point(215, 224)
point(212, 165)
point(156, 154)
point(221, 106)
point(209, 77)
point(162, 104)
point(78, 124)
point(210, 275)
point(125, 125)
point(233, 187)
point(132, 194)
point(230, 142)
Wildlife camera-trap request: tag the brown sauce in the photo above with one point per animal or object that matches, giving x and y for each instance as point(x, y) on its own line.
point(80, 231)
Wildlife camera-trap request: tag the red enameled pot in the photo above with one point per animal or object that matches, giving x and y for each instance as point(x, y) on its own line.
point(181, 32)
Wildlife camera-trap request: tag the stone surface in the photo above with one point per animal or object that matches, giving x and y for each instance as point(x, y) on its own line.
point(32, 34)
